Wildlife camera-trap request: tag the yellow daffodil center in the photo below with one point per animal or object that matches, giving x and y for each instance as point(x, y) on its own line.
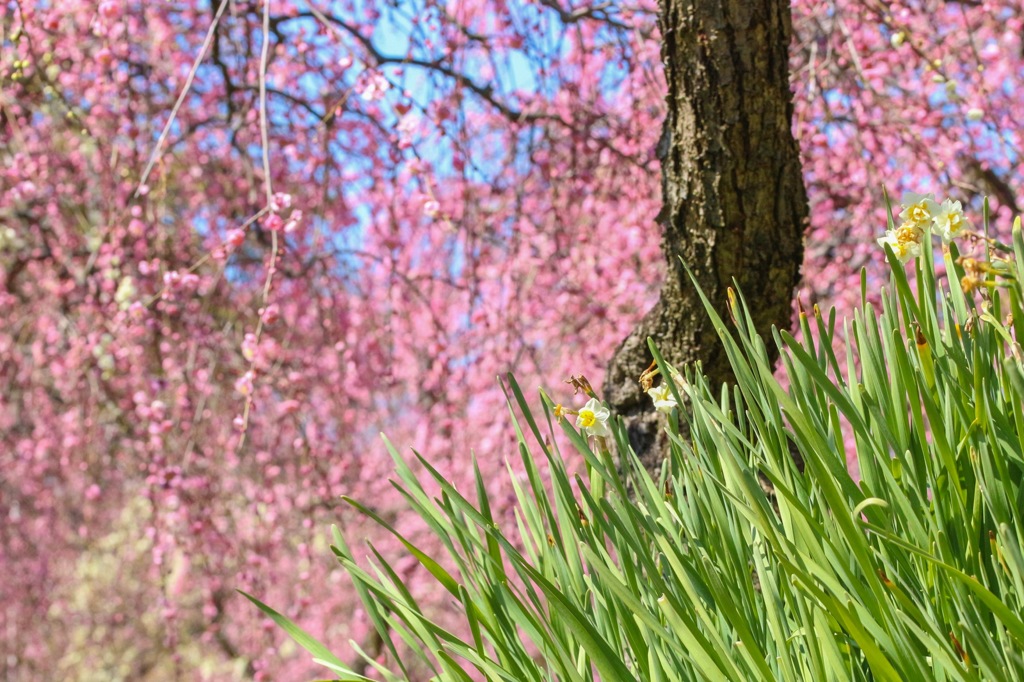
point(587, 418)
point(919, 213)
point(907, 234)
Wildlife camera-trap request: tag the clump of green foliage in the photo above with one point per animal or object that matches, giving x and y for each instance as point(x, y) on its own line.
point(755, 555)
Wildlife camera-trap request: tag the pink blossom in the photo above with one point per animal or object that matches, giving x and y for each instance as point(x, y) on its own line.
point(249, 347)
point(235, 238)
point(271, 314)
point(110, 9)
point(244, 384)
point(280, 201)
point(273, 222)
point(372, 85)
point(408, 124)
point(294, 220)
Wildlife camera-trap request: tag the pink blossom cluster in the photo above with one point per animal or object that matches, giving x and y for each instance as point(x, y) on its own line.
point(913, 96)
point(196, 358)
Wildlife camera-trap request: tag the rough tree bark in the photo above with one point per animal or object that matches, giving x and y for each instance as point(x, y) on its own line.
point(734, 200)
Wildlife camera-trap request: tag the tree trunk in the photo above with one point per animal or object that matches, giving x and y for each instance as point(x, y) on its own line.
point(734, 200)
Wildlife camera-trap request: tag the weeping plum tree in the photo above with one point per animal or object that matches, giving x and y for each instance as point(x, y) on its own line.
point(735, 208)
point(239, 238)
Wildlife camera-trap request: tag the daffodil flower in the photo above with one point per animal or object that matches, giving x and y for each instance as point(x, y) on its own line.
point(904, 241)
point(950, 221)
point(663, 399)
point(918, 209)
point(593, 419)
